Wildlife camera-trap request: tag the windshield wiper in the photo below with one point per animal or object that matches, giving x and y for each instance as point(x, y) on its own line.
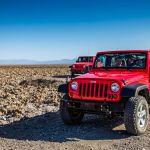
point(129, 69)
point(106, 68)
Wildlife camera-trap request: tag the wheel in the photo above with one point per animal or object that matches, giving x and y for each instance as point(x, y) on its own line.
point(70, 116)
point(136, 115)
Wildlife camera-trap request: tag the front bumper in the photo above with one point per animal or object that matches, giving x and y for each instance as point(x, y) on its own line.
point(94, 106)
point(78, 71)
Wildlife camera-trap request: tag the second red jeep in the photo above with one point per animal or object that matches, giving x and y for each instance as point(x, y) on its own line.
point(82, 65)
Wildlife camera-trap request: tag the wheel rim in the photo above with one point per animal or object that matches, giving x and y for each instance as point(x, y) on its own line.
point(142, 116)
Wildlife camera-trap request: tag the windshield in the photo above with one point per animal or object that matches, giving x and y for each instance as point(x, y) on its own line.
point(121, 60)
point(85, 59)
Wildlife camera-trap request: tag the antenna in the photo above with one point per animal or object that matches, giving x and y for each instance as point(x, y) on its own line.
point(88, 58)
point(88, 54)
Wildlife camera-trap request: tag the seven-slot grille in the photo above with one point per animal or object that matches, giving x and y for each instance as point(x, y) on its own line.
point(93, 90)
point(79, 66)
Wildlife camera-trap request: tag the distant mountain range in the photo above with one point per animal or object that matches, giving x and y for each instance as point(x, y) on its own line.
point(24, 61)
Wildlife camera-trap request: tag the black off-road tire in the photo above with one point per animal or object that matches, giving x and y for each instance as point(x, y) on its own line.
point(131, 115)
point(70, 116)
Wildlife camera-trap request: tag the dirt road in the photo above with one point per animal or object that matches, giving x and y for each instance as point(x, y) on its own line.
point(48, 132)
point(36, 124)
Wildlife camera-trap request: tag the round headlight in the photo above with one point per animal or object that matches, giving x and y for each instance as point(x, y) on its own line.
point(115, 87)
point(74, 86)
point(73, 66)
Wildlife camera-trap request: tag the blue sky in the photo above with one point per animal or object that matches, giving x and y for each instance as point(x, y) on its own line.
point(59, 29)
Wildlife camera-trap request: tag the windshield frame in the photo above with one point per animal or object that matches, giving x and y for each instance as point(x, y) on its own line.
point(87, 57)
point(124, 68)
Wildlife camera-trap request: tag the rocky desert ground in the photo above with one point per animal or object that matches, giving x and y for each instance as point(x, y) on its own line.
point(30, 120)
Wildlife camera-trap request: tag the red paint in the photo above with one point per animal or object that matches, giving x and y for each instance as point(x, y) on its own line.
point(105, 77)
point(80, 67)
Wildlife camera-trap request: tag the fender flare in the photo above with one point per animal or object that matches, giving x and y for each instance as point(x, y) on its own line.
point(133, 90)
point(63, 88)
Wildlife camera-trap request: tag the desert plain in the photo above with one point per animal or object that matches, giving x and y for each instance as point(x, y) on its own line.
point(30, 119)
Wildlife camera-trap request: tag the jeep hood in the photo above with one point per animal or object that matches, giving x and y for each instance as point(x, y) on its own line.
point(127, 77)
point(82, 63)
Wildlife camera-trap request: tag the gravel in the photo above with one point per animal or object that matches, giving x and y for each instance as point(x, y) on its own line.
point(30, 119)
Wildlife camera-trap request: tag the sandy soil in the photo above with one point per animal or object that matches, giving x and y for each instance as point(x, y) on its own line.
point(29, 116)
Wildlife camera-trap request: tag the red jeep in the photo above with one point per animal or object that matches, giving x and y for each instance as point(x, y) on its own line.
point(82, 65)
point(119, 83)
